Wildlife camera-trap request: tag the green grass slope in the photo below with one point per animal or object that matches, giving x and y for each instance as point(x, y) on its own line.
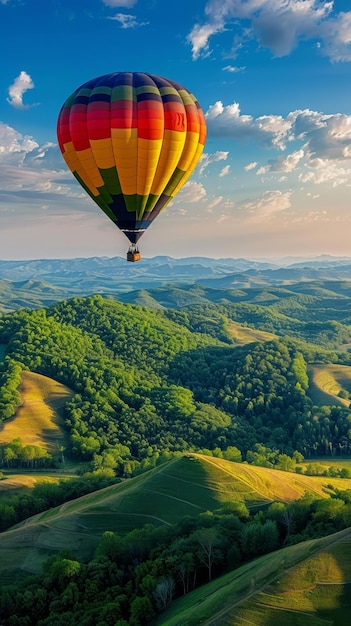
point(304, 585)
point(185, 486)
point(326, 382)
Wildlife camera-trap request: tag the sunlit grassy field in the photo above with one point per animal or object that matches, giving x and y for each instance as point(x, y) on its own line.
point(13, 483)
point(38, 421)
point(326, 381)
point(242, 335)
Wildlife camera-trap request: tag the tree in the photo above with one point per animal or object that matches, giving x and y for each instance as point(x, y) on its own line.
point(207, 540)
point(141, 611)
point(232, 453)
point(164, 593)
point(259, 538)
point(63, 570)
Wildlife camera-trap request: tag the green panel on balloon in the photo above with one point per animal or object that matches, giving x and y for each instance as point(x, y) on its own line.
point(123, 92)
point(175, 180)
point(111, 180)
point(131, 203)
point(151, 201)
point(105, 195)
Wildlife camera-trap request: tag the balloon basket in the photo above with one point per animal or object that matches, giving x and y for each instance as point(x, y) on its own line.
point(133, 254)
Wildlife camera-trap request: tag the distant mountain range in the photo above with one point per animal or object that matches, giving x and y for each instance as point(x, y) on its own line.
point(42, 282)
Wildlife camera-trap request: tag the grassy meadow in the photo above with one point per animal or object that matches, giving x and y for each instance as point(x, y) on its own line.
point(326, 382)
point(241, 335)
point(13, 482)
point(38, 420)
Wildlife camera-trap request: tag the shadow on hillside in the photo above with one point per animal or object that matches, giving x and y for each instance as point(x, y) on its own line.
point(187, 368)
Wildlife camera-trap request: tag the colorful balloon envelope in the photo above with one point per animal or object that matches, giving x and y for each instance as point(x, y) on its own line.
point(132, 140)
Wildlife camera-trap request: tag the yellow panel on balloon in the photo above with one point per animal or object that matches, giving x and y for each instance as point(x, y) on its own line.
point(190, 148)
point(190, 170)
point(148, 156)
point(87, 161)
point(91, 179)
point(172, 148)
point(103, 152)
point(125, 150)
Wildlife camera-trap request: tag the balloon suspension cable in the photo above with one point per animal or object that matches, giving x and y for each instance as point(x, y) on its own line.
point(133, 253)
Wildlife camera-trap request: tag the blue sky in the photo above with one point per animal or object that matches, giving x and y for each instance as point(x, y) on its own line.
point(274, 80)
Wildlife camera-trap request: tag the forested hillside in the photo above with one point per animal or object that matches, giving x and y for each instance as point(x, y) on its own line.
point(240, 381)
point(145, 382)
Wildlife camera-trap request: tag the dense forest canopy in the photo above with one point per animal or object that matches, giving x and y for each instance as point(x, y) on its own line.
point(149, 381)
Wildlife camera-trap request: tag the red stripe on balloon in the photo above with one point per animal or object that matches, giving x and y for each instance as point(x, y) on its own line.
point(124, 114)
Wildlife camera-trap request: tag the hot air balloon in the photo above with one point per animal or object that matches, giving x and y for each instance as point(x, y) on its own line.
point(131, 140)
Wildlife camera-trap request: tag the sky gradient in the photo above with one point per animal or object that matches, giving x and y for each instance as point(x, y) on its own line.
point(274, 80)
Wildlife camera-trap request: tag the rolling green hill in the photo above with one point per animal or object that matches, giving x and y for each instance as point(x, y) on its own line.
point(182, 487)
point(303, 585)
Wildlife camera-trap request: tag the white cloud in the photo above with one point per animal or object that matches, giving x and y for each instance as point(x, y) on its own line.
point(316, 140)
point(281, 164)
point(225, 171)
point(336, 36)
point(227, 121)
point(324, 170)
point(276, 24)
point(207, 159)
point(189, 194)
point(127, 4)
point(28, 167)
point(233, 69)
point(250, 166)
point(127, 21)
point(200, 35)
point(328, 135)
point(13, 143)
point(267, 205)
point(22, 83)
point(214, 203)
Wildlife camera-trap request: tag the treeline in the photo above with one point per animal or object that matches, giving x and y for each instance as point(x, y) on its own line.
point(17, 454)
point(282, 317)
point(10, 380)
point(45, 495)
point(133, 578)
point(146, 385)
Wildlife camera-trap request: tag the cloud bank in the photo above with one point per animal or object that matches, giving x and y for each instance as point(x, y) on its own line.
point(278, 25)
point(315, 144)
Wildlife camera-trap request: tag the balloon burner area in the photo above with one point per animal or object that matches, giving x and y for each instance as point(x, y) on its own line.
point(133, 253)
